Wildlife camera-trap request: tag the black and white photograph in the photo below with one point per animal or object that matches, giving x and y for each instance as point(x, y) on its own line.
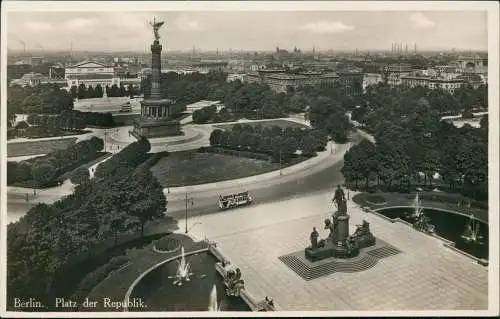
point(231, 159)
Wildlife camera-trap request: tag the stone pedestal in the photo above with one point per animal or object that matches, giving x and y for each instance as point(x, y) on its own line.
point(342, 231)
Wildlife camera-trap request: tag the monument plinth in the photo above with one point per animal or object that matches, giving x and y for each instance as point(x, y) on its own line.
point(339, 244)
point(158, 115)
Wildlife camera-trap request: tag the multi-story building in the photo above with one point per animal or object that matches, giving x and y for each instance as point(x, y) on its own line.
point(91, 73)
point(279, 81)
point(371, 79)
point(352, 81)
point(394, 72)
point(30, 79)
point(433, 83)
point(235, 76)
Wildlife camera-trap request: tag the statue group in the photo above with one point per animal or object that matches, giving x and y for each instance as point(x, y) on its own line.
point(339, 243)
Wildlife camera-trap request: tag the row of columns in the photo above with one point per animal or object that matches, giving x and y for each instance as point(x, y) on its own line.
point(155, 111)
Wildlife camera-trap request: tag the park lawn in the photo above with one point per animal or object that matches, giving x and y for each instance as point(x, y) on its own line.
point(193, 168)
point(270, 123)
point(38, 147)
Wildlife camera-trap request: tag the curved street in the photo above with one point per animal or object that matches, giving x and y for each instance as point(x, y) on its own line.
point(321, 177)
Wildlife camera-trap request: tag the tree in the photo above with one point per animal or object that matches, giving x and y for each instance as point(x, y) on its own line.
point(215, 137)
point(43, 173)
point(82, 91)
point(117, 224)
point(98, 92)
point(80, 175)
point(308, 146)
point(74, 91)
point(90, 92)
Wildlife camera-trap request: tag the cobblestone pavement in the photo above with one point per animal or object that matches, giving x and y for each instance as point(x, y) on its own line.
point(426, 276)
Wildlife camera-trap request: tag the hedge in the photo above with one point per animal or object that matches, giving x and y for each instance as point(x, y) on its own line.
point(227, 151)
point(95, 277)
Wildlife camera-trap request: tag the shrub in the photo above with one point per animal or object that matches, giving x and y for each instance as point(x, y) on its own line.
point(235, 152)
point(80, 175)
point(167, 244)
point(92, 279)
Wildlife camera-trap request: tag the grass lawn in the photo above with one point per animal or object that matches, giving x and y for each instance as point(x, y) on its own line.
point(192, 168)
point(38, 147)
point(270, 123)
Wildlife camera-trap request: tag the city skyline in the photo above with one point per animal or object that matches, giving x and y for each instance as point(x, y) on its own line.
point(249, 30)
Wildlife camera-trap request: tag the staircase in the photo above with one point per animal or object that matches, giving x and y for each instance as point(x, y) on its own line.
point(384, 252)
point(310, 273)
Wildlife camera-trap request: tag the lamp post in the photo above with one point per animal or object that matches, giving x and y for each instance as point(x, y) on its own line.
point(187, 200)
point(105, 135)
point(281, 154)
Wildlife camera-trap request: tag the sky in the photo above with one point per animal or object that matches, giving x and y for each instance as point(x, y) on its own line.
point(248, 30)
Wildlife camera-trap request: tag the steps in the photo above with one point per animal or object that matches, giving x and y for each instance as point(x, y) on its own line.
point(384, 252)
point(366, 260)
point(309, 273)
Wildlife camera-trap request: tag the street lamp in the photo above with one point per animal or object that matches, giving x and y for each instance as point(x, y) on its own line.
point(105, 135)
point(281, 154)
point(187, 200)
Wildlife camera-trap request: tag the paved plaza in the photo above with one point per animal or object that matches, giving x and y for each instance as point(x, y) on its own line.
point(425, 276)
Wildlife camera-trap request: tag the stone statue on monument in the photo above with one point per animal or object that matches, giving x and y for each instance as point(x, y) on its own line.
point(338, 197)
point(156, 26)
point(314, 238)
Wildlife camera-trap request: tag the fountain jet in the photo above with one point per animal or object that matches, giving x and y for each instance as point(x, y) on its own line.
point(213, 305)
point(417, 216)
point(183, 270)
point(471, 233)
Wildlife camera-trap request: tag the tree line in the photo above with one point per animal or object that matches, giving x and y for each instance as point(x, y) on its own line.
point(89, 92)
point(382, 101)
point(419, 143)
point(280, 144)
point(41, 99)
point(51, 248)
point(46, 170)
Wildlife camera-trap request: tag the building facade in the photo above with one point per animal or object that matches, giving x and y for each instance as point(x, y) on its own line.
point(371, 79)
point(91, 73)
point(432, 83)
point(280, 81)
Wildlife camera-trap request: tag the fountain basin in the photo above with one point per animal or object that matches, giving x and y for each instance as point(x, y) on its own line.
point(449, 225)
point(159, 294)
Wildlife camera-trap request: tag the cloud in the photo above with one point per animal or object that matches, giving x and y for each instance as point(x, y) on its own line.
point(326, 27)
point(420, 21)
point(79, 24)
point(36, 26)
point(185, 24)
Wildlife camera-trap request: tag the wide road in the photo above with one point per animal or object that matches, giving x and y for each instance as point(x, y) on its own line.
point(324, 176)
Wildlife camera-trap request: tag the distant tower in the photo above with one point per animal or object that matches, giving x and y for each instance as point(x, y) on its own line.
point(277, 49)
point(314, 50)
point(406, 49)
point(415, 48)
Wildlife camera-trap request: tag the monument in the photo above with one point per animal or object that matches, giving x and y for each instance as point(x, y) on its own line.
point(157, 113)
point(339, 251)
point(339, 244)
